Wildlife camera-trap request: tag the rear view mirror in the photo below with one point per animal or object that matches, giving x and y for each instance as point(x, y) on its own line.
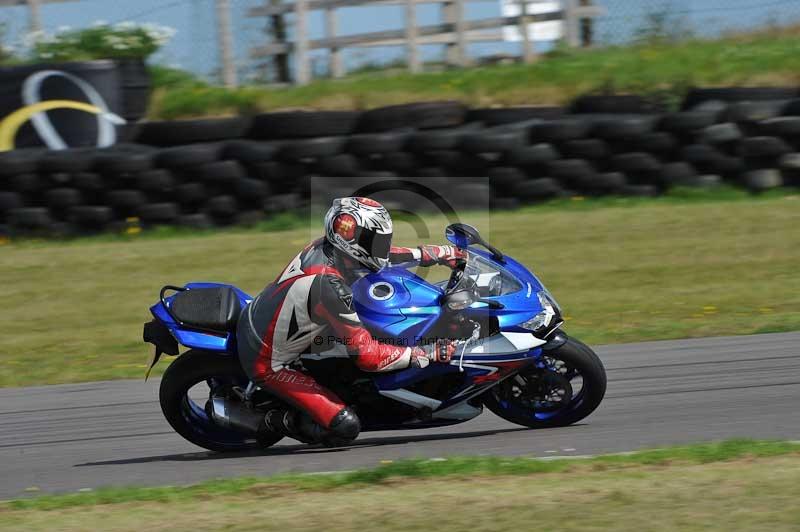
point(462, 235)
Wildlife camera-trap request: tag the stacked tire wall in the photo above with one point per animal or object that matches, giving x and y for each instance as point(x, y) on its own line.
point(217, 172)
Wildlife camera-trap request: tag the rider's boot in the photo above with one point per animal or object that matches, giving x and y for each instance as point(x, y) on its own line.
point(344, 428)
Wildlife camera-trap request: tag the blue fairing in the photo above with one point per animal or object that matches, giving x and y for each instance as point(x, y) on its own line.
point(404, 312)
point(412, 306)
point(400, 307)
point(518, 307)
point(196, 339)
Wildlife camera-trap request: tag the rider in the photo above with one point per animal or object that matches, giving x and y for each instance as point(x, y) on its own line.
point(311, 296)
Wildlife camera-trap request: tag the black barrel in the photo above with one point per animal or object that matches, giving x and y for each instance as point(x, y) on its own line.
point(76, 128)
point(135, 81)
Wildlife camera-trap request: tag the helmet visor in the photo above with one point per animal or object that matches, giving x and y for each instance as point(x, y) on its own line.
point(376, 244)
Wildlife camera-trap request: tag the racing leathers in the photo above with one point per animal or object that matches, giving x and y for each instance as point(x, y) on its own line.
point(311, 298)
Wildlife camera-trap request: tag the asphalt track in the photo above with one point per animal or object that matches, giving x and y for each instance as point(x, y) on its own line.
point(70, 437)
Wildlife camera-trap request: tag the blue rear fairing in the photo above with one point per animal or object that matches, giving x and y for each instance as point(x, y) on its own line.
point(224, 342)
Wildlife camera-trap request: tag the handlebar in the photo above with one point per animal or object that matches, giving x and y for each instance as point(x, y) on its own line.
point(457, 279)
point(456, 274)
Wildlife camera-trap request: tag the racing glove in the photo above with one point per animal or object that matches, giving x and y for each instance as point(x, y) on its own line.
point(441, 351)
point(450, 256)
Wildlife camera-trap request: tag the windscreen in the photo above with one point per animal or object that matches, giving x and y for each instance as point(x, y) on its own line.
point(487, 277)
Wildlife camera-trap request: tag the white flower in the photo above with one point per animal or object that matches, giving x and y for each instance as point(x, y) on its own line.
point(99, 23)
point(33, 38)
point(127, 25)
point(160, 34)
point(50, 39)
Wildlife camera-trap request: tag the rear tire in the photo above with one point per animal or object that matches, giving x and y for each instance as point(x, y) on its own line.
point(577, 356)
point(189, 369)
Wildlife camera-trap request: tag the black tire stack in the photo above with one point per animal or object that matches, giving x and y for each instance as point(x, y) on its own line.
point(217, 172)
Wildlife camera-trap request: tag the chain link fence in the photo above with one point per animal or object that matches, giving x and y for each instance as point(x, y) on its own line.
point(196, 46)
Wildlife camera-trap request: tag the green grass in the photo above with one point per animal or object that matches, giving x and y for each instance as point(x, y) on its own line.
point(661, 70)
point(622, 270)
point(731, 485)
point(701, 453)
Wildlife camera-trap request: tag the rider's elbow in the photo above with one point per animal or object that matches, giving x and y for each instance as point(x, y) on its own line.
point(368, 364)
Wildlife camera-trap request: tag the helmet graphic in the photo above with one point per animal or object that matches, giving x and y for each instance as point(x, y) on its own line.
point(360, 228)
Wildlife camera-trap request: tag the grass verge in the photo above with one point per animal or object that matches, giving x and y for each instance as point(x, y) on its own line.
point(737, 484)
point(663, 70)
point(623, 272)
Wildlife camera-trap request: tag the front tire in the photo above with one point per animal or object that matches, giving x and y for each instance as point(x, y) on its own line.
point(552, 396)
point(190, 419)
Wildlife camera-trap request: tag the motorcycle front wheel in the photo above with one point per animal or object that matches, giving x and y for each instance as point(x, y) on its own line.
point(567, 386)
point(186, 386)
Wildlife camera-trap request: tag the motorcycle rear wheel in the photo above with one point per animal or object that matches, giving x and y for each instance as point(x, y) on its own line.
point(190, 419)
point(536, 398)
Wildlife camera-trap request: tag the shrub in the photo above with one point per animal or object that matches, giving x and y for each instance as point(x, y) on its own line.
point(125, 40)
point(174, 78)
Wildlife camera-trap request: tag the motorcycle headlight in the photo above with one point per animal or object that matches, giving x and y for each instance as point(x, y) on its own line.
point(552, 301)
point(546, 317)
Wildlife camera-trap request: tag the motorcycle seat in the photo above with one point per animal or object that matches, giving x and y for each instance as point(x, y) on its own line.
point(215, 308)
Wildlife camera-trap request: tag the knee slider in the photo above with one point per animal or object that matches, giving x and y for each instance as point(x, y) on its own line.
point(345, 425)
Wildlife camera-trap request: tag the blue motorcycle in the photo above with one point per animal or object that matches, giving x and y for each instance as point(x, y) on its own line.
point(512, 356)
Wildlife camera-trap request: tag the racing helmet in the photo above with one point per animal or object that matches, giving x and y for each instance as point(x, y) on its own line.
point(360, 228)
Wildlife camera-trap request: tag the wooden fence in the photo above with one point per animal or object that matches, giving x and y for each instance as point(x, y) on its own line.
point(454, 31)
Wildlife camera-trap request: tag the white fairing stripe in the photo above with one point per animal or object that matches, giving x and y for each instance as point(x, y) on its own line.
point(523, 341)
point(505, 343)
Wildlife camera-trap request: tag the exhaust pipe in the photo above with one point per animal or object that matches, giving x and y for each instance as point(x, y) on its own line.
point(234, 415)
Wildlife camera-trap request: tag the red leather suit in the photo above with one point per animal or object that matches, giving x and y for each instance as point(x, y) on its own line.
point(308, 299)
